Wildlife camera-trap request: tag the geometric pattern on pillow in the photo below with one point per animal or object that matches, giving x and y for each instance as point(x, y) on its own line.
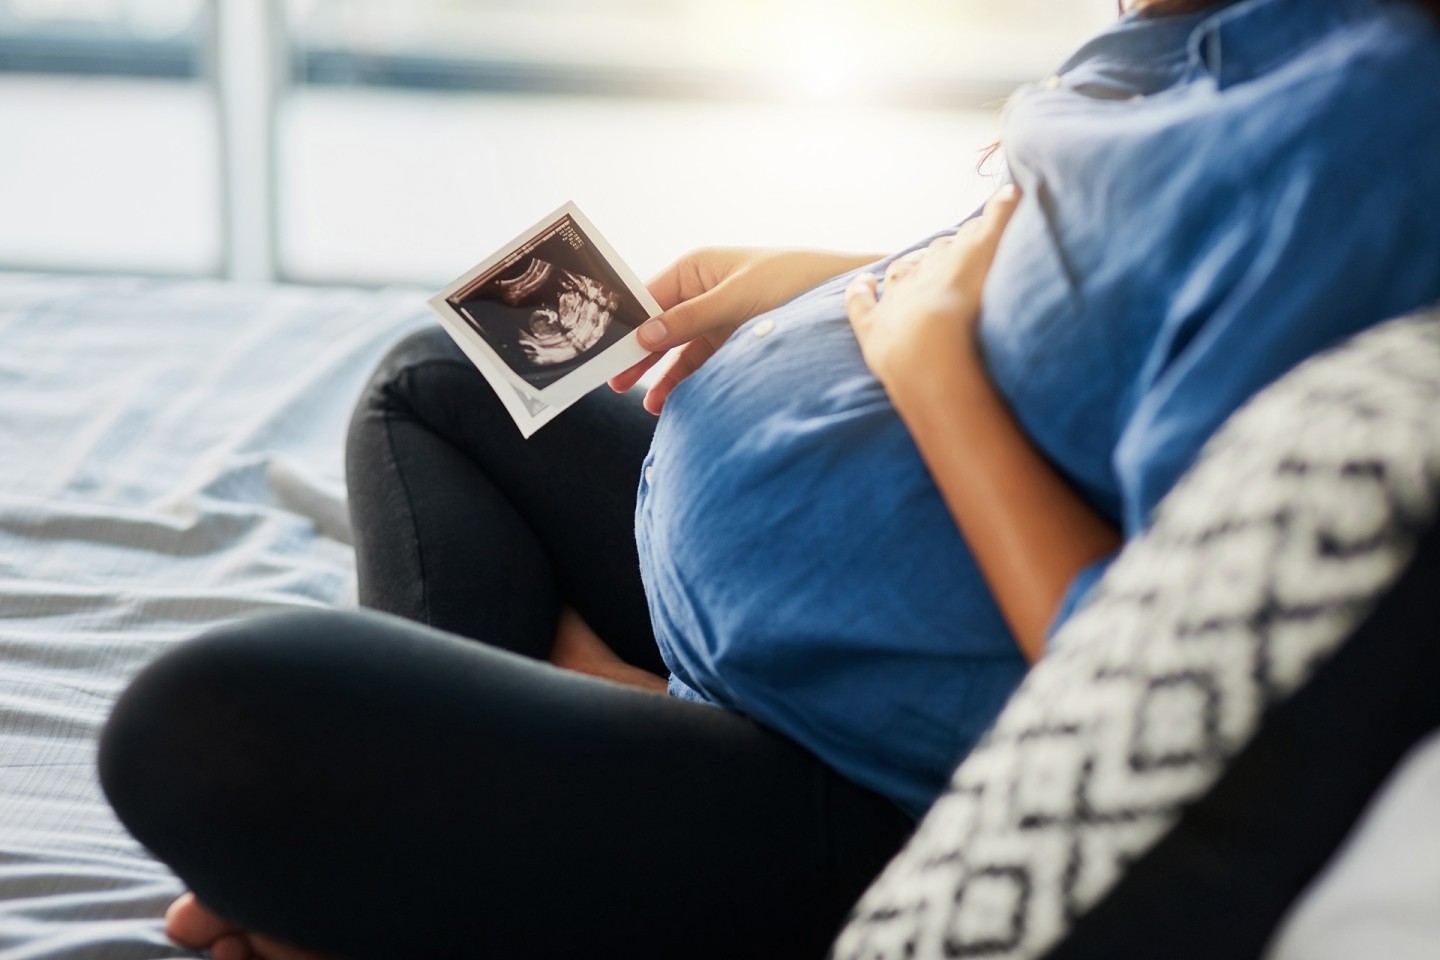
point(1295, 519)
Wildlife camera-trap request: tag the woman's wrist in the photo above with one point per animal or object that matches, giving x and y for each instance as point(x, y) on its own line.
point(947, 373)
point(1028, 529)
point(809, 268)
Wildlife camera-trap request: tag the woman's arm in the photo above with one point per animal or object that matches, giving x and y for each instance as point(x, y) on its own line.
point(1028, 529)
point(709, 292)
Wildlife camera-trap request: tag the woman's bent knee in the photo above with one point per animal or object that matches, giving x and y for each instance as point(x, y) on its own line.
point(189, 732)
point(416, 349)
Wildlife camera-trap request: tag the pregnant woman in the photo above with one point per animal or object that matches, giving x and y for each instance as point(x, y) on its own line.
point(875, 486)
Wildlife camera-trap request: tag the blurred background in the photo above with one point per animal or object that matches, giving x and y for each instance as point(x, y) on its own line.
point(399, 141)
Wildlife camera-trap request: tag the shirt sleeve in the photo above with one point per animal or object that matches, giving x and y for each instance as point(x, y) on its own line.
point(1303, 266)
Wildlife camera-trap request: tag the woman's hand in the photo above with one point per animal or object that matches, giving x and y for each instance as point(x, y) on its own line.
point(932, 298)
point(708, 293)
point(1028, 528)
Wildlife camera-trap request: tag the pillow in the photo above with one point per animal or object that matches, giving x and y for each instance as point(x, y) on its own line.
point(1206, 729)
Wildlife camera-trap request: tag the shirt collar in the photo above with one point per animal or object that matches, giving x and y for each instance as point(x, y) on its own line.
point(1247, 38)
point(1233, 44)
point(1154, 45)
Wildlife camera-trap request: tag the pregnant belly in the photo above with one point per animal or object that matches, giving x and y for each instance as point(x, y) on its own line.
point(800, 564)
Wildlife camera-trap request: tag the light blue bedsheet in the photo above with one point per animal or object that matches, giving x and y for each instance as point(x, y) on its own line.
point(170, 458)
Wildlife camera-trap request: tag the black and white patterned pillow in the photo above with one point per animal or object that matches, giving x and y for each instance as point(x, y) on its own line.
point(1208, 727)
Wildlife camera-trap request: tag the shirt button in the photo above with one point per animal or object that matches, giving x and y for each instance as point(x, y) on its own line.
point(649, 474)
point(764, 328)
point(1052, 83)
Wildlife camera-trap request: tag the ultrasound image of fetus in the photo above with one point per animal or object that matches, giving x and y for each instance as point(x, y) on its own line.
point(572, 315)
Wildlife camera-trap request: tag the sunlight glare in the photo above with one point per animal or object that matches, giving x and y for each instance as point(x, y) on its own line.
point(824, 64)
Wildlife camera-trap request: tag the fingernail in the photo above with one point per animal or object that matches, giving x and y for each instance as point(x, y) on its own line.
point(652, 332)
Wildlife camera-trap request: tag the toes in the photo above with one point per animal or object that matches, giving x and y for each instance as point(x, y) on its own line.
point(267, 949)
point(190, 923)
point(233, 946)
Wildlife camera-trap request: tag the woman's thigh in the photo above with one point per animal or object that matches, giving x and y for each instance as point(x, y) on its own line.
point(361, 785)
point(462, 524)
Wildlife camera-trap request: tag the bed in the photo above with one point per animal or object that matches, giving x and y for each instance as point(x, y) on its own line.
point(170, 458)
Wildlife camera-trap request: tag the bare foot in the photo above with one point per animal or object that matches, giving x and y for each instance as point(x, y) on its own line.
point(192, 924)
point(579, 648)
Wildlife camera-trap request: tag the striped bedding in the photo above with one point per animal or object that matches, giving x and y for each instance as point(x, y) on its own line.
point(170, 458)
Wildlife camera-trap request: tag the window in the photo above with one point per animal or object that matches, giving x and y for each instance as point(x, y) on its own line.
point(372, 141)
point(110, 156)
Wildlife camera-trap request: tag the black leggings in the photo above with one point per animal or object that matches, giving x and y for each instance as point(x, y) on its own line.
point(370, 786)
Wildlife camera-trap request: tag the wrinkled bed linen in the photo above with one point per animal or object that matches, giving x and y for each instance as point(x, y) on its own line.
point(170, 459)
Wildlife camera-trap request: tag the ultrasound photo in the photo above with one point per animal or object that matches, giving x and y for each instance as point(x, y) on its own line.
point(549, 305)
point(548, 317)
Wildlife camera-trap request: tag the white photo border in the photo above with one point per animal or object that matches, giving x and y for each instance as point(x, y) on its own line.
point(554, 398)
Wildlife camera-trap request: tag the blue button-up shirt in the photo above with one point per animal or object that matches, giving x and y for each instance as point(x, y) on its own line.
point(1208, 200)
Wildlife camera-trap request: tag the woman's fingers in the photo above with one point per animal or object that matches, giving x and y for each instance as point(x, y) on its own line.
point(693, 326)
point(973, 248)
point(901, 266)
point(669, 285)
point(712, 310)
point(860, 297)
point(626, 379)
point(677, 326)
point(998, 212)
point(680, 364)
point(673, 288)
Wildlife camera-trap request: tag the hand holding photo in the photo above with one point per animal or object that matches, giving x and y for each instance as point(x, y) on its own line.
point(549, 317)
